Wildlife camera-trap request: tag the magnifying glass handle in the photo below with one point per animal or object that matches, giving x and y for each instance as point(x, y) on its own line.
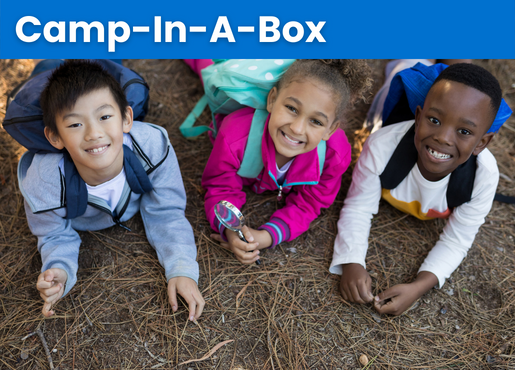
point(242, 237)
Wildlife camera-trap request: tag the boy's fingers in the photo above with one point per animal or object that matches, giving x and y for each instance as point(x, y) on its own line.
point(42, 284)
point(355, 294)
point(192, 305)
point(53, 291)
point(386, 308)
point(48, 275)
point(47, 310)
point(344, 294)
point(200, 305)
point(388, 293)
point(172, 296)
point(365, 293)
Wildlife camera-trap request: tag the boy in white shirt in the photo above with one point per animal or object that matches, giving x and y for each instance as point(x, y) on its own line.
point(455, 123)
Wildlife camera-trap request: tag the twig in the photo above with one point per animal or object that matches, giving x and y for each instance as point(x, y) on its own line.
point(45, 346)
point(28, 336)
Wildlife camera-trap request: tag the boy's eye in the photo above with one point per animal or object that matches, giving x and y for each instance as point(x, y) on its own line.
point(464, 131)
point(107, 116)
point(434, 120)
point(75, 125)
point(290, 108)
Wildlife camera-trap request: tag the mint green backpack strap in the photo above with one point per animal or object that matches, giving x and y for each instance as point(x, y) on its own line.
point(186, 128)
point(252, 162)
point(321, 148)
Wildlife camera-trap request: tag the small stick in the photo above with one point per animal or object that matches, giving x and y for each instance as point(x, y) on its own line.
point(45, 346)
point(28, 336)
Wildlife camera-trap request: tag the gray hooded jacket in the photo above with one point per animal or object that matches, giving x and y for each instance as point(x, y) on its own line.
point(162, 210)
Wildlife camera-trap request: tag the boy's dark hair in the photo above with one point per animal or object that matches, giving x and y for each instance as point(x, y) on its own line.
point(476, 77)
point(350, 79)
point(70, 81)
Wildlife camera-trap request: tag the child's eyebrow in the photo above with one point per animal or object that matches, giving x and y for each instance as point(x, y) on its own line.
point(107, 105)
point(464, 120)
point(316, 113)
point(468, 122)
point(72, 114)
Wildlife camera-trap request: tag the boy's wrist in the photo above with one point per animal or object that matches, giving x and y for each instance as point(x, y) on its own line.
point(424, 281)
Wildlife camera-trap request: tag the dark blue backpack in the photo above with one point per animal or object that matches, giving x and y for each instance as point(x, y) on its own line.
point(24, 117)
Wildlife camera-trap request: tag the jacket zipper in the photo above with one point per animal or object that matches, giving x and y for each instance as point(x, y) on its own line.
point(280, 195)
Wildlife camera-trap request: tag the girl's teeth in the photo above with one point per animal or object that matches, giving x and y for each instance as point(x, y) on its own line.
point(437, 155)
point(289, 139)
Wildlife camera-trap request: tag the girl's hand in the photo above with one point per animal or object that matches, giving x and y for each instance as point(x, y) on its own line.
point(246, 253)
point(399, 298)
point(356, 284)
point(51, 287)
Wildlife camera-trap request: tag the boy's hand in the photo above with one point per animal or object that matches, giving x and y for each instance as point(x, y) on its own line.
point(356, 284)
point(399, 298)
point(245, 252)
point(188, 289)
point(51, 287)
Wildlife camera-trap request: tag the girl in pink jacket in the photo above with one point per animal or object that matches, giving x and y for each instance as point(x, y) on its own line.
point(307, 106)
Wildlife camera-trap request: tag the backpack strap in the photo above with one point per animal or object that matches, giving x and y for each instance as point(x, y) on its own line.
point(321, 149)
point(252, 162)
point(401, 162)
point(461, 182)
point(186, 128)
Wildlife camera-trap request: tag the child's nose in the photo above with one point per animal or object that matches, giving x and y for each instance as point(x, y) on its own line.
point(444, 135)
point(93, 132)
point(297, 126)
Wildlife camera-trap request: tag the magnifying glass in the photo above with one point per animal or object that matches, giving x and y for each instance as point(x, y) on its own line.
point(231, 217)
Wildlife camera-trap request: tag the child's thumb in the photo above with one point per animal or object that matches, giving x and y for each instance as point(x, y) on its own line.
point(49, 275)
point(248, 235)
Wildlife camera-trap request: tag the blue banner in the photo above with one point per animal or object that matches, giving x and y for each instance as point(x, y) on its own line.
point(257, 29)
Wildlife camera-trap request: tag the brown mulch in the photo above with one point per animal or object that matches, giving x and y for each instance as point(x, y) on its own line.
point(286, 314)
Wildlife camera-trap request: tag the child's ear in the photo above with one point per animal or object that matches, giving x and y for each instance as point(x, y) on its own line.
point(331, 131)
point(128, 119)
point(485, 140)
point(54, 139)
point(272, 95)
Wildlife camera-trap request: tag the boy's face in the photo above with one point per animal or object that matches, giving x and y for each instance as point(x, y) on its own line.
point(301, 115)
point(451, 126)
point(92, 133)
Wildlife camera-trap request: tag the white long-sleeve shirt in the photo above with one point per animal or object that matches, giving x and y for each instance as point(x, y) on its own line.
point(415, 195)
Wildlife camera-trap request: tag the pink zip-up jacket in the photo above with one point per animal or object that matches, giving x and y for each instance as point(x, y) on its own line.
point(306, 190)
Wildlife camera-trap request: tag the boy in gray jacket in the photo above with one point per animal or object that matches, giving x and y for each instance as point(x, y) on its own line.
point(112, 168)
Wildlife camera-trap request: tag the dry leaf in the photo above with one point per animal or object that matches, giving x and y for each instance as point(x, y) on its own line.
point(210, 353)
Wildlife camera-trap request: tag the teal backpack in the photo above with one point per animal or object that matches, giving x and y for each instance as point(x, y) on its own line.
point(232, 84)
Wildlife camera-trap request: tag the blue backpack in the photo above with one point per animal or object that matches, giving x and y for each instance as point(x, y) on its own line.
point(233, 84)
point(24, 117)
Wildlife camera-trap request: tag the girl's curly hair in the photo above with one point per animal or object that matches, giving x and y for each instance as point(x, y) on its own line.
point(349, 79)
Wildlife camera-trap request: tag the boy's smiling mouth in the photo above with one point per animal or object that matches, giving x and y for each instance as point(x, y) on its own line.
point(98, 150)
point(437, 155)
point(291, 139)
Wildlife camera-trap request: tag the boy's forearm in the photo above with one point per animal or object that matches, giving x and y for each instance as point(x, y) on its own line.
point(424, 282)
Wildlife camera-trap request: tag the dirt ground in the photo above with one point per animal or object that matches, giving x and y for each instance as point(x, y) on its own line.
point(285, 314)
